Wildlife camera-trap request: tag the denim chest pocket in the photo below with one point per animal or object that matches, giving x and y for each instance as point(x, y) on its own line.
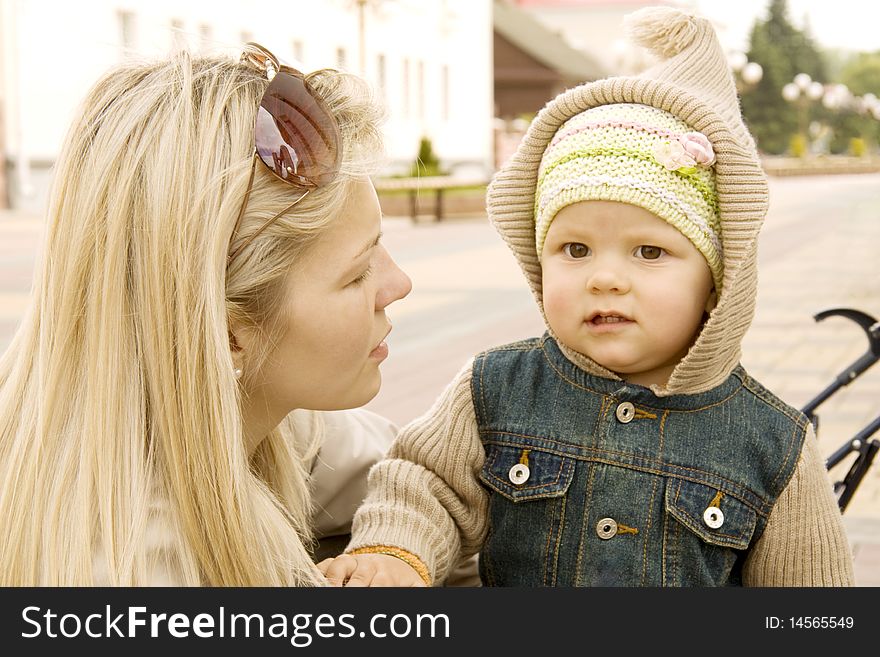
point(544, 475)
point(527, 514)
point(706, 536)
point(717, 519)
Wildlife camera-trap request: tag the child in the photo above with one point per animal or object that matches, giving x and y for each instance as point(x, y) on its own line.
point(627, 446)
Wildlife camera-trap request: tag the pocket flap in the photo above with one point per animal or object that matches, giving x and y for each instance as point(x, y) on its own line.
point(688, 502)
point(549, 475)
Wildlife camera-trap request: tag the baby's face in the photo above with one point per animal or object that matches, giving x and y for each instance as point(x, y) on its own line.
point(625, 288)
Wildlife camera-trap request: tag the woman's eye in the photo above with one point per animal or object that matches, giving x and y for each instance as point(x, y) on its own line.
point(576, 250)
point(360, 279)
point(650, 252)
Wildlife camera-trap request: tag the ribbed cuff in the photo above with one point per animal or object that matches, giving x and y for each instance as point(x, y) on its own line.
point(407, 557)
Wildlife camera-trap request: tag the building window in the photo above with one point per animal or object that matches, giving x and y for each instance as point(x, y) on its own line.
point(298, 51)
point(340, 58)
point(421, 84)
point(444, 103)
point(178, 38)
point(405, 87)
point(206, 34)
point(246, 36)
point(127, 30)
point(381, 76)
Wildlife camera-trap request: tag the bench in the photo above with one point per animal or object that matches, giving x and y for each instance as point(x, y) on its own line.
point(437, 184)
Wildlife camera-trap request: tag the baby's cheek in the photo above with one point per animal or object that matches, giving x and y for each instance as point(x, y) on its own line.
point(556, 307)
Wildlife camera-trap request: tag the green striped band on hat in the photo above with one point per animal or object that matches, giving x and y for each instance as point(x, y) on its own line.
point(634, 154)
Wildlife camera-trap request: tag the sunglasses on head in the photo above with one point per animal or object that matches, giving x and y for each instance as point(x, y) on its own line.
point(295, 135)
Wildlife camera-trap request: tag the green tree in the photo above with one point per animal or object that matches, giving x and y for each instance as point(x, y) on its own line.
point(783, 51)
point(426, 163)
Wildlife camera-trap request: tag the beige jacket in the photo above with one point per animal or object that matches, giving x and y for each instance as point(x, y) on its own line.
point(426, 497)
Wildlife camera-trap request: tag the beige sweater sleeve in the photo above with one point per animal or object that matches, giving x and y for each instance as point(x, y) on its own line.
point(804, 543)
point(425, 497)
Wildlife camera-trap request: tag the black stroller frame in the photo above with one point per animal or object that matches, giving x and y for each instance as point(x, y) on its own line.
point(861, 444)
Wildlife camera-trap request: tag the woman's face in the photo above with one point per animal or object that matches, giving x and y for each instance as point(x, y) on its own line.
point(333, 324)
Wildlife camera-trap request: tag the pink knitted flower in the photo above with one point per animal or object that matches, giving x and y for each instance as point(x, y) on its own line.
point(672, 155)
point(698, 147)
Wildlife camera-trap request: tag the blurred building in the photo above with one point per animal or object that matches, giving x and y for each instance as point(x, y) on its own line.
point(543, 47)
point(466, 74)
point(533, 63)
point(430, 61)
point(595, 28)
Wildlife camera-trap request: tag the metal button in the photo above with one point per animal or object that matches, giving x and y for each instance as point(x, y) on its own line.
point(713, 517)
point(606, 528)
point(625, 412)
point(519, 474)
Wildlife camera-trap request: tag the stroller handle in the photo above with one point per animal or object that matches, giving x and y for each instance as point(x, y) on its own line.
point(871, 327)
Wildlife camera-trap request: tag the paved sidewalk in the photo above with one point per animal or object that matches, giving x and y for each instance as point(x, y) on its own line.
point(817, 251)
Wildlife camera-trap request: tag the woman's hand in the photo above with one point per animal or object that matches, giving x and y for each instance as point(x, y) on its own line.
point(369, 570)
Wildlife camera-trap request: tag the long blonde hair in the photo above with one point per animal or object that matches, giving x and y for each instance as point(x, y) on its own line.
point(118, 388)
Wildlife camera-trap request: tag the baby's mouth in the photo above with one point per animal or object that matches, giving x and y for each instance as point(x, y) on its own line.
point(607, 318)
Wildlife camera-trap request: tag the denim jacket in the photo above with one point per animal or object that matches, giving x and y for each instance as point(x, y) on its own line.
point(597, 482)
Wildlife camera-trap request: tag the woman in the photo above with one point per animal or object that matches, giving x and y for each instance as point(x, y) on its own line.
point(212, 262)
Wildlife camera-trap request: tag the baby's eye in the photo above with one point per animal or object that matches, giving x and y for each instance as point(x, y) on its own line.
point(649, 252)
point(576, 250)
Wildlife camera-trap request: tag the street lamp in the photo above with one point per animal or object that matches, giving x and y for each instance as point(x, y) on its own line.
point(872, 105)
point(752, 73)
point(837, 97)
point(747, 74)
point(803, 86)
point(803, 91)
point(867, 105)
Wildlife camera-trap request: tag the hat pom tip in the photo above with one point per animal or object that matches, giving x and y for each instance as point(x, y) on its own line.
point(662, 30)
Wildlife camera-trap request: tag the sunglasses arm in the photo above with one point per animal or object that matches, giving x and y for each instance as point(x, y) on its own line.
point(265, 225)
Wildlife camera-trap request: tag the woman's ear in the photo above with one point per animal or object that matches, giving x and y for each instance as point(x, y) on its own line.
point(237, 353)
point(241, 339)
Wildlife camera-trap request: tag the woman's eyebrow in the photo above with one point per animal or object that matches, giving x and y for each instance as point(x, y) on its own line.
point(369, 246)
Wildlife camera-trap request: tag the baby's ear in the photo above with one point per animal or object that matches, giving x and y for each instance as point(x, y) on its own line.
point(711, 301)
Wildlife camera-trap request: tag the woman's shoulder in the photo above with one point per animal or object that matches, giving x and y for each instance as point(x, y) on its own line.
point(352, 431)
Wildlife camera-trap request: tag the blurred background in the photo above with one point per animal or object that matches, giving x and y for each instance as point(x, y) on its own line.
point(461, 78)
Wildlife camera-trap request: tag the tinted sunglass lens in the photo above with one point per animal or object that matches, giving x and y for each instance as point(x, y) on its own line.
point(295, 135)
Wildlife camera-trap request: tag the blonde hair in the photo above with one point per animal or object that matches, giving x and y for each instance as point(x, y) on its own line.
point(118, 388)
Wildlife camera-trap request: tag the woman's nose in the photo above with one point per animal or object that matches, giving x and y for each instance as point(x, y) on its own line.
point(395, 283)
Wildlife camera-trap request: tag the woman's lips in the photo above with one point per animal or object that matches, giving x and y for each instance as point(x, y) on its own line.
point(381, 350)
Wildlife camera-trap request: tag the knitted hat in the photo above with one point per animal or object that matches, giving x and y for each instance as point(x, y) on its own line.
point(634, 154)
point(693, 82)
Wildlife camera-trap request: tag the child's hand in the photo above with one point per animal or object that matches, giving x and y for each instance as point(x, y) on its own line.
point(369, 570)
